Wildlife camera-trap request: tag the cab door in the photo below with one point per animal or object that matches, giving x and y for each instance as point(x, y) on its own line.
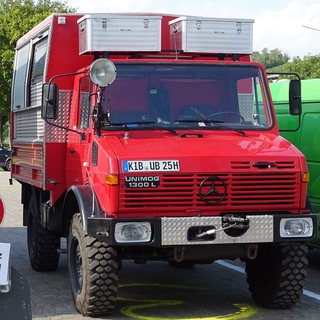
point(79, 136)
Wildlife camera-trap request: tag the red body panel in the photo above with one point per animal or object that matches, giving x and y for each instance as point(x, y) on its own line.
point(212, 154)
point(64, 53)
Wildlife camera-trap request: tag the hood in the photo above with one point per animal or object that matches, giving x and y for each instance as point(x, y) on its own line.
point(205, 152)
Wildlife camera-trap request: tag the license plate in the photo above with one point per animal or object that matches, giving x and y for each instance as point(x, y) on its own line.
point(150, 165)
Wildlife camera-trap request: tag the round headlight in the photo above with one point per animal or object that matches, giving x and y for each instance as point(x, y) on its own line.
point(102, 72)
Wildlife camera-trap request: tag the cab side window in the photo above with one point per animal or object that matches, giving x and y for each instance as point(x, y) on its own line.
point(37, 71)
point(20, 72)
point(39, 60)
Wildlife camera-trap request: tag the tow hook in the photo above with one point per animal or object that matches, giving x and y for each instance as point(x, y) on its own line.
point(178, 254)
point(235, 226)
point(252, 251)
point(230, 221)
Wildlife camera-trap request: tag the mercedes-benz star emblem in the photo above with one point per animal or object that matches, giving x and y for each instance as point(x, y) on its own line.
point(213, 189)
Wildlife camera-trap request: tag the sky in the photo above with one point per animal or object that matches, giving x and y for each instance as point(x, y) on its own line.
point(290, 26)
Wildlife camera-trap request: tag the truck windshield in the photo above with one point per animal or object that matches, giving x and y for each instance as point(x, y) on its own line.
point(187, 95)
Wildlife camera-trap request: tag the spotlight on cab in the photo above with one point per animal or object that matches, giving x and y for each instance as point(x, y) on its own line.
point(102, 72)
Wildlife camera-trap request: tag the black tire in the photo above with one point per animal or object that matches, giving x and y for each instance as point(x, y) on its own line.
point(276, 277)
point(93, 272)
point(8, 165)
point(43, 245)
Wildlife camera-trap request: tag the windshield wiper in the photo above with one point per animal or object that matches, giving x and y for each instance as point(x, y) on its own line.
point(216, 122)
point(133, 124)
point(241, 132)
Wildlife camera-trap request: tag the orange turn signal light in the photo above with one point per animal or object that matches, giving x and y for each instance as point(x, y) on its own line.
point(305, 177)
point(111, 180)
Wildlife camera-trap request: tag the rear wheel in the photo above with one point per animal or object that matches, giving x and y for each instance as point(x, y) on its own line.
point(277, 275)
point(93, 272)
point(43, 245)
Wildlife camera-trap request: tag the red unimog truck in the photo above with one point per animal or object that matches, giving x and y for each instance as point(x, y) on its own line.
point(153, 137)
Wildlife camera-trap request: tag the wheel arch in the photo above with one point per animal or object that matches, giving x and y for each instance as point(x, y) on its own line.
point(308, 204)
point(79, 199)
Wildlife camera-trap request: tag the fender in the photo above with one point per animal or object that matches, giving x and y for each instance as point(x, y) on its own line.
point(80, 199)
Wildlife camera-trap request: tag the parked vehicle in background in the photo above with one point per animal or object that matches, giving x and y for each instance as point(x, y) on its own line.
point(5, 159)
point(303, 131)
point(153, 137)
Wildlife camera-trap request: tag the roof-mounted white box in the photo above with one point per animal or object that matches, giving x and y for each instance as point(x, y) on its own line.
point(101, 32)
point(211, 35)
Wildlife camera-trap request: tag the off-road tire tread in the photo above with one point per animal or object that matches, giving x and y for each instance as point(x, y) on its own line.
point(98, 294)
point(45, 256)
point(277, 276)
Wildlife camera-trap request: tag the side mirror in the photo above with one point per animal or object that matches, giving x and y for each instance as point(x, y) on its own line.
point(49, 108)
point(295, 97)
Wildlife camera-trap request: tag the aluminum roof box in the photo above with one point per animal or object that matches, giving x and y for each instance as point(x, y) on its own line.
point(111, 32)
point(211, 35)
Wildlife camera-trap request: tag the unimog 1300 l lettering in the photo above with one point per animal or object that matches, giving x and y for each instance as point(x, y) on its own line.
point(153, 137)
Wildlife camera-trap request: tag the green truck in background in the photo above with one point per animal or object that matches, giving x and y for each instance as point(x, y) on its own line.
point(303, 131)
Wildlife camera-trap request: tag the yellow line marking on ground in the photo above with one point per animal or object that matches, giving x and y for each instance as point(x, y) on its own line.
point(244, 312)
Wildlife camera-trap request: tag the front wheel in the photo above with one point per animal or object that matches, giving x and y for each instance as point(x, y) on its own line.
point(277, 275)
point(93, 271)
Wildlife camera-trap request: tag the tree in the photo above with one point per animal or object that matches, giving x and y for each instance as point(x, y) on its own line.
point(17, 17)
point(270, 59)
point(307, 68)
point(274, 61)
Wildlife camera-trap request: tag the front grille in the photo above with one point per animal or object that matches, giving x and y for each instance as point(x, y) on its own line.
point(259, 191)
